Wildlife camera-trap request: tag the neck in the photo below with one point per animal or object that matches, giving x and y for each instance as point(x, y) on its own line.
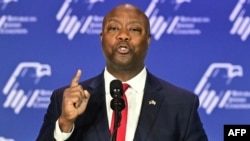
point(124, 74)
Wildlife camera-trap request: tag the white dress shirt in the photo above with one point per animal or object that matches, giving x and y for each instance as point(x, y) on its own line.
point(134, 96)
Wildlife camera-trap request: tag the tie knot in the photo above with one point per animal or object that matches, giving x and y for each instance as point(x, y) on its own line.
point(125, 86)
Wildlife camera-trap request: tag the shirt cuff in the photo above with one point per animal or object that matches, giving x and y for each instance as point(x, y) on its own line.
point(61, 136)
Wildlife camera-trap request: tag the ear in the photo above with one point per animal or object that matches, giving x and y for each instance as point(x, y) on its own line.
point(101, 36)
point(149, 39)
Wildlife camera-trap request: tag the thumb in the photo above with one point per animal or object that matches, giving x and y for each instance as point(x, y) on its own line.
point(84, 102)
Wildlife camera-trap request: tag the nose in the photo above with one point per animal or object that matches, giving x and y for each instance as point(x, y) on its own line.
point(123, 36)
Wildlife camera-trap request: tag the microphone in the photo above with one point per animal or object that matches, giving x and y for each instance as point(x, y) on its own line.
point(116, 91)
point(117, 104)
point(116, 88)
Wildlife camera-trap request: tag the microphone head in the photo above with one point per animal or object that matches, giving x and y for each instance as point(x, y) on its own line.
point(116, 88)
point(117, 104)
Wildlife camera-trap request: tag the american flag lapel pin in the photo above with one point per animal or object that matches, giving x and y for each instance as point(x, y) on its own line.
point(151, 102)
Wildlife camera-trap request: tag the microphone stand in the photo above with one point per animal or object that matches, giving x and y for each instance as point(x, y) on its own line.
point(117, 104)
point(116, 124)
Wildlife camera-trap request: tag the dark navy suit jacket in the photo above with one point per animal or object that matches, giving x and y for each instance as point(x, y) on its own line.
point(174, 117)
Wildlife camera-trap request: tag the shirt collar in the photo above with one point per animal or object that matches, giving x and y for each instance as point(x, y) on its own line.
point(137, 82)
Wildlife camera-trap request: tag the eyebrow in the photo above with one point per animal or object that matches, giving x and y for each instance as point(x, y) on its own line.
point(130, 22)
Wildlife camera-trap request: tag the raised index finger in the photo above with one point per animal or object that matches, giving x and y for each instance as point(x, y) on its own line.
point(76, 78)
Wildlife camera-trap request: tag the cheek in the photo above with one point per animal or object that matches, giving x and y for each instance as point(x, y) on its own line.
point(107, 45)
point(142, 44)
point(142, 48)
point(108, 40)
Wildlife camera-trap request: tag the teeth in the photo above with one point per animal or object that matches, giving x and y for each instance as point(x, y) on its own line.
point(123, 48)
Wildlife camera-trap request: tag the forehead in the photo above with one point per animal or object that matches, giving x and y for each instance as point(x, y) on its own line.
point(128, 13)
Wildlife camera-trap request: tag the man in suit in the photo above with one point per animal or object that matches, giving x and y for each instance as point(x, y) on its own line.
point(157, 110)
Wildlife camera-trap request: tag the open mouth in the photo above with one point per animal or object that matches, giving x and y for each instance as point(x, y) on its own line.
point(123, 49)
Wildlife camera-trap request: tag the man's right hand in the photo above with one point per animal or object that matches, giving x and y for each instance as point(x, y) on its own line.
point(75, 100)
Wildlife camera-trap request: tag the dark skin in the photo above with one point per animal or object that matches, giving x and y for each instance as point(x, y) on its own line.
point(125, 40)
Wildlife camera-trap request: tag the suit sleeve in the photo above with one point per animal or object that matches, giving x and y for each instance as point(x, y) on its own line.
point(195, 130)
point(53, 112)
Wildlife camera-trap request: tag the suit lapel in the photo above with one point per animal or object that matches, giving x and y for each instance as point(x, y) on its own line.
point(97, 91)
point(102, 127)
point(151, 103)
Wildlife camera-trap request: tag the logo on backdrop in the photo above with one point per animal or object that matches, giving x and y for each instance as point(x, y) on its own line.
point(22, 88)
point(173, 24)
point(5, 139)
point(11, 24)
point(215, 88)
point(179, 2)
point(4, 3)
point(71, 24)
point(240, 17)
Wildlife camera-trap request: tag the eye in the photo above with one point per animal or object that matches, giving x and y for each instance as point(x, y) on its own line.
point(135, 30)
point(113, 28)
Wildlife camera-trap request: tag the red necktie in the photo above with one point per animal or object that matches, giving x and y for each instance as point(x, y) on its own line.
point(121, 132)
